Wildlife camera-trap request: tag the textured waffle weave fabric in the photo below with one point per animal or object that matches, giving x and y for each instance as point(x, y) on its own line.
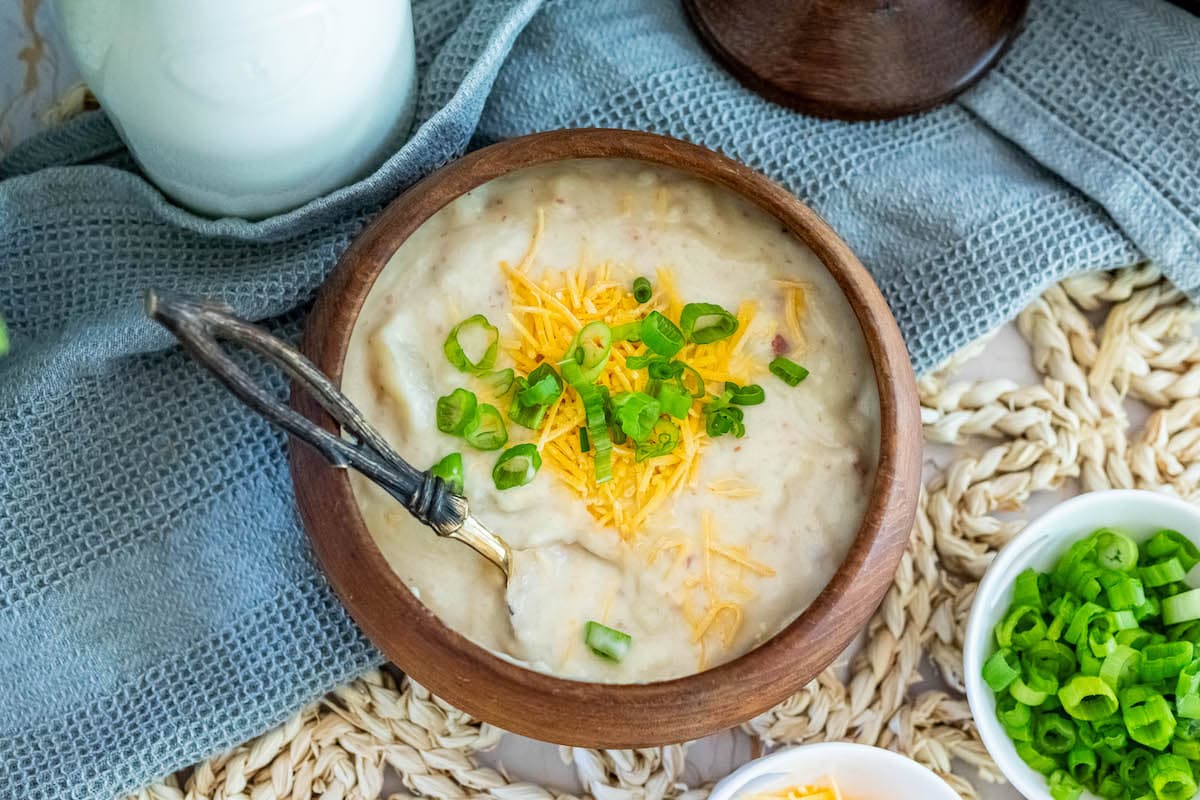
point(158, 601)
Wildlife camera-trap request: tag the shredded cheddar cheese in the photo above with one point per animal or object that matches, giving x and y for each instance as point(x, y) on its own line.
point(547, 310)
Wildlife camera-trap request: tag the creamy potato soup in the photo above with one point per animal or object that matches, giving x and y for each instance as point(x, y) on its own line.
point(679, 463)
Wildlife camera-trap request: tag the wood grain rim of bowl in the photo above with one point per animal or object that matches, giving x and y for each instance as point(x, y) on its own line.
point(560, 710)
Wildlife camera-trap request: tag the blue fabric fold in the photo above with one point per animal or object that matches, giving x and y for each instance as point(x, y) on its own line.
point(158, 599)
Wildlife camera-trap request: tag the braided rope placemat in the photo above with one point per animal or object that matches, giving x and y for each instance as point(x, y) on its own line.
point(1096, 340)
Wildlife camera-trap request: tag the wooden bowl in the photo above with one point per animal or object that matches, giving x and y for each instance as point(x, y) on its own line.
point(575, 712)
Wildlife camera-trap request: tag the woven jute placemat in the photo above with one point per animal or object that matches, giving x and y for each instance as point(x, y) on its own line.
point(1096, 341)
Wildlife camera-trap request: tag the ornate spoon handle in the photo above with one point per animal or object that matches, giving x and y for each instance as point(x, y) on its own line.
point(200, 325)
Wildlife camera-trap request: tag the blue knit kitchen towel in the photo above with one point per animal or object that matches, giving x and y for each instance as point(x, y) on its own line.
point(158, 601)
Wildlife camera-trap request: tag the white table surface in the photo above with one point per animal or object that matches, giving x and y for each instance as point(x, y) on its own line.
point(35, 73)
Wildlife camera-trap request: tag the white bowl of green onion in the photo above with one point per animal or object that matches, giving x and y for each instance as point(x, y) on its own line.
point(1082, 651)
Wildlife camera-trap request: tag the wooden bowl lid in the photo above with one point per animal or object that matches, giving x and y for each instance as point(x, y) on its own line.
point(858, 59)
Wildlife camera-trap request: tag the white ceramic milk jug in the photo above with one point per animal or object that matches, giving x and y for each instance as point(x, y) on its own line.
point(249, 107)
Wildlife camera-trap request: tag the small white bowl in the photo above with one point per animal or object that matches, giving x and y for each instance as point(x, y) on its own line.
point(1039, 545)
point(861, 772)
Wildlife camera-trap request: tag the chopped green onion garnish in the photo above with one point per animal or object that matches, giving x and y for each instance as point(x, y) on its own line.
point(597, 427)
point(787, 370)
point(588, 352)
point(3, 338)
point(705, 323)
point(455, 410)
point(664, 369)
point(457, 355)
point(663, 438)
point(542, 387)
point(725, 420)
point(516, 466)
point(1182, 607)
point(674, 401)
point(1000, 670)
point(661, 335)
point(1115, 550)
point(635, 413)
point(751, 395)
point(485, 430)
point(1088, 697)
point(629, 332)
point(450, 470)
point(642, 291)
point(640, 361)
point(1171, 778)
point(584, 446)
point(1164, 661)
point(605, 641)
point(500, 381)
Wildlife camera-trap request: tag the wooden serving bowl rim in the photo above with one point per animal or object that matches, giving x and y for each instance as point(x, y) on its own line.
point(580, 713)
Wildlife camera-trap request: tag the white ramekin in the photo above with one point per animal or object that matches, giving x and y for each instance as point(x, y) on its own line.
point(1039, 545)
point(860, 771)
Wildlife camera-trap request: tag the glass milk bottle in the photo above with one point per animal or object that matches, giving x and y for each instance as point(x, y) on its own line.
point(249, 108)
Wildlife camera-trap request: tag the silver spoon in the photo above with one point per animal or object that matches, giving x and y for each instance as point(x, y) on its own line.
point(199, 325)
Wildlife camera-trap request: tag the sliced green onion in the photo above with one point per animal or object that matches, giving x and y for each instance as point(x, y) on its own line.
point(1187, 691)
point(1182, 607)
point(457, 356)
point(1036, 760)
point(1021, 627)
point(542, 387)
point(1022, 692)
point(1120, 667)
point(1064, 609)
point(526, 416)
point(728, 420)
point(635, 413)
point(705, 323)
point(692, 381)
point(590, 351)
point(787, 370)
point(1088, 698)
point(1051, 658)
point(1163, 573)
point(663, 438)
point(500, 381)
point(485, 430)
point(1147, 716)
point(584, 446)
point(1063, 786)
point(751, 395)
point(450, 470)
point(1054, 734)
point(642, 290)
point(661, 335)
point(1115, 550)
point(629, 332)
point(3, 338)
point(1080, 622)
point(1125, 593)
point(597, 428)
point(516, 466)
point(1171, 778)
point(605, 641)
point(674, 400)
point(1016, 718)
point(1001, 669)
point(664, 369)
point(1026, 590)
point(1163, 661)
point(640, 361)
point(1134, 768)
point(1168, 544)
point(1081, 761)
point(455, 410)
